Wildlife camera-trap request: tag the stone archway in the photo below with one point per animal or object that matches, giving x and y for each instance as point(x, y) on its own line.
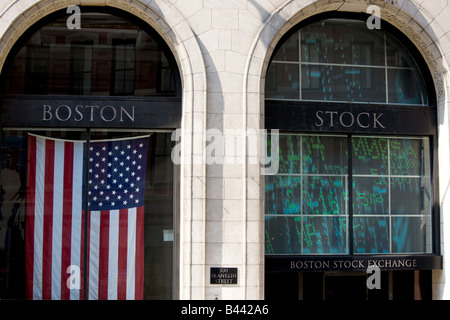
point(175, 31)
point(408, 20)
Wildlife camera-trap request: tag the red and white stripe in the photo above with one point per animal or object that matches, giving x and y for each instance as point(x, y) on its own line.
point(55, 231)
point(54, 224)
point(116, 254)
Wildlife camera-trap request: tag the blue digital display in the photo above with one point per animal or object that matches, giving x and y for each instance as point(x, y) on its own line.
point(308, 203)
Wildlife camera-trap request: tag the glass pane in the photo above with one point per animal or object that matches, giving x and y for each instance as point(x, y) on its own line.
point(81, 56)
point(289, 50)
point(370, 195)
point(119, 82)
point(343, 83)
point(342, 42)
point(130, 54)
point(282, 81)
point(411, 234)
point(16, 211)
point(324, 235)
point(37, 80)
point(390, 188)
point(312, 79)
point(324, 195)
point(325, 155)
point(120, 56)
point(55, 59)
point(289, 155)
point(406, 87)
point(410, 196)
point(283, 235)
point(396, 54)
point(282, 195)
point(371, 235)
point(166, 78)
point(409, 156)
point(342, 60)
point(12, 224)
point(369, 155)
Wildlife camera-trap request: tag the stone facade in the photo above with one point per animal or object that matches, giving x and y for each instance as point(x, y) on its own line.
point(223, 49)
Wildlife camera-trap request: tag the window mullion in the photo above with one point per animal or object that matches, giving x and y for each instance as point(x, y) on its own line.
point(386, 70)
point(300, 65)
point(301, 193)
point(350, 194)
point(389, 193)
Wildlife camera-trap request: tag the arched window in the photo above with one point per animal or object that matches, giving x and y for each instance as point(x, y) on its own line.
point(87, 180)
point(341, 60)
point(107, 56)
point(356, 115)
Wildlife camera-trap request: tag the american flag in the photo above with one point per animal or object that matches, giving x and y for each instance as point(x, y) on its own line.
point(117, 173)
point(55, 237)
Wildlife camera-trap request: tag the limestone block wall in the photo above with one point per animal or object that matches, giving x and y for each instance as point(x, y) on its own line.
point(222, 49)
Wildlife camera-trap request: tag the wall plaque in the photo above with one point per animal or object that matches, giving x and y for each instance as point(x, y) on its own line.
point(224, 275)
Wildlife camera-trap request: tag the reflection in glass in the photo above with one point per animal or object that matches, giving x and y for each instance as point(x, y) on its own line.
point(283, 195)
point(369, 155)
point(81, 68)
point(283, 235)
point(324, 235)
point(342, 60)
point(289, 50)
point(371, 235)
point(324, 155)
point(410, 195)
point(411, 235)
point(283, 81)
point(310, 235)
point(390, 194)
point(289, 153)
point(343, 83)
point(391, 178)
point(324, 195)
point(396, 53)
point(111, 56)
point(406, 87)
point(370, 195)
point(409, 156)
point(342, 42)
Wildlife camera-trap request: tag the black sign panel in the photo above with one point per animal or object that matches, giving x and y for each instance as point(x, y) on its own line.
point(351, 118)
point(352, 263)
point(224, 275)
point(72, 111)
